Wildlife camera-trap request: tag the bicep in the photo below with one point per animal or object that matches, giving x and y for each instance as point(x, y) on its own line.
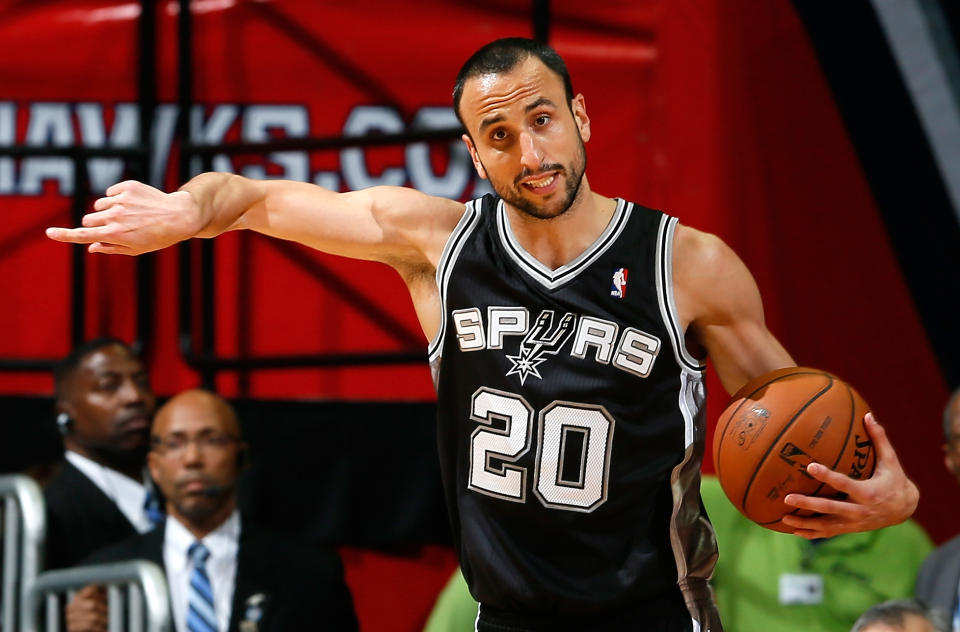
point(725, 312)
point(380, 223)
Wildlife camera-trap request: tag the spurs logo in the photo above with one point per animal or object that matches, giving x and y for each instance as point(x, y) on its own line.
point(543, 340)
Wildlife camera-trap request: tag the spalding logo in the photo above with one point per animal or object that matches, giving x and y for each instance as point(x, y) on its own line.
point(749, 426)
point(861, 456)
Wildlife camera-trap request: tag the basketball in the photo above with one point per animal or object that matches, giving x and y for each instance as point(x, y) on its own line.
point(776, 425)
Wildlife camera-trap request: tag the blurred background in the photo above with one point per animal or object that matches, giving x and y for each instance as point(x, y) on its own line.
point(821, 140)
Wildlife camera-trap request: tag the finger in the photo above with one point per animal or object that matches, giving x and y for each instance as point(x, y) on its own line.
point(886, 455)
point(820, 505)
point(811, 526)
point(104, 203)
point(95, 219)
point(110, 249)
point(76, 235)
point(836, 480)
point(120, 187)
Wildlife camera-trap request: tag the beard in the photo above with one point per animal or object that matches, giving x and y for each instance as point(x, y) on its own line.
point(573, 177)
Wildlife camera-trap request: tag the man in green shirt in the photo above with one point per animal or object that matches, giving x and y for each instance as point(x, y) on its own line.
point(766, 580)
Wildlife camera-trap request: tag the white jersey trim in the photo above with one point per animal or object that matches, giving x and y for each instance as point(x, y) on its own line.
point(668, 308)
point(552, 279)
point(448, 258)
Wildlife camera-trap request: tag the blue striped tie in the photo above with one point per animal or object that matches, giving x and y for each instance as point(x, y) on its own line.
point(201, 616)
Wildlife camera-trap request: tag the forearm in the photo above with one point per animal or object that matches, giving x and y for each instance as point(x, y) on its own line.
point(222, 199)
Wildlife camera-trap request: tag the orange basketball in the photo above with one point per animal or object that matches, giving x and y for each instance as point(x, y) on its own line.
point(775, 426)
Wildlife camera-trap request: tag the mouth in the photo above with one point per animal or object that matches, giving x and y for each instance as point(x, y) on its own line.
point(194, 487)
point(141, 422)
point(541, 183)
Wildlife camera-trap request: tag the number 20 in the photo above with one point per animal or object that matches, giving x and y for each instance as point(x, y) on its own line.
point(559, 423)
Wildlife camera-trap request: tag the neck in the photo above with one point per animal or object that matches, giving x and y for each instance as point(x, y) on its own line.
point(131, 466)
point(202, 526)
point(561, 239)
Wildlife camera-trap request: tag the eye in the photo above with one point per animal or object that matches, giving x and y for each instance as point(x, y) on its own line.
point(108, 384)
point(498, 135)
point(541, 120)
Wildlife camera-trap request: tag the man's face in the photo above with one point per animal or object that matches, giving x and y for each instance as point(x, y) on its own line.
point(194, 456)
point(525, 139)
point(109, 399)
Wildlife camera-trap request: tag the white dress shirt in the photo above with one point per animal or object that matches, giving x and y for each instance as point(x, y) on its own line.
point(127, 494)
point(223, 544)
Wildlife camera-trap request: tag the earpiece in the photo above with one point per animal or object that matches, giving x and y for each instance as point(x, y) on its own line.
point(63, 423)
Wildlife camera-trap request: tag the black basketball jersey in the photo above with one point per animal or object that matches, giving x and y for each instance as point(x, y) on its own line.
point(571, 421)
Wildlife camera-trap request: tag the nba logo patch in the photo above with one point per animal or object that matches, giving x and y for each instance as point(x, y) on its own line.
point(618, 287)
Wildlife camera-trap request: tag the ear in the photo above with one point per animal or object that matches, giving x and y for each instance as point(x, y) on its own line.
point(579, 108)
point(64, 406)
point(474, 156)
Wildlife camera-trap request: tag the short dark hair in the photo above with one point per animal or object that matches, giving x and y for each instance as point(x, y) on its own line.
point(69, 364)
point(895, 611)
point(504, 54)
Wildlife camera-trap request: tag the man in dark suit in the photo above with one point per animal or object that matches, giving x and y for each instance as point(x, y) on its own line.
point(938, 582)
point(222, 574)
point(102, 493)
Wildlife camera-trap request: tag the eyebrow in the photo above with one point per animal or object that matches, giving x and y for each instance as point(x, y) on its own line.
point(487, 122)
point(538, 103)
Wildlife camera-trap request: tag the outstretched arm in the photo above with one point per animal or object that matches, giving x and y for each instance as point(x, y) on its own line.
point(391, 224)
point(719, 300)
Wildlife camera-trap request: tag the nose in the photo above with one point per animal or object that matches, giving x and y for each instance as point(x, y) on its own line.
point(192, 454)
point(530, 156)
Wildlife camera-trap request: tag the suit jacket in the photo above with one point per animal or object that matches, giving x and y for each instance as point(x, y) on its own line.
point(80, 518)
point(939, 577)
point(303, 588)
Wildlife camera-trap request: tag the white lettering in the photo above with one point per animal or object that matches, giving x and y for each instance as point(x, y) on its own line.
point(419, 160)
point(213, 131)
point(105, 171)
point(8, 130)
point(259, 120)
point(49, 125)
point(469, 329)
point(505, 321)
point(636, 352)
point(597, 333)
point(363, 119)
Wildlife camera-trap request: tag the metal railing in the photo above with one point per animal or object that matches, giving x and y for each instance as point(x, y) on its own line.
point(24, 530)
point(136, 596)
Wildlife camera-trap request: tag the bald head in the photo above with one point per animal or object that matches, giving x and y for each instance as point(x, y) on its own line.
point(196, 408)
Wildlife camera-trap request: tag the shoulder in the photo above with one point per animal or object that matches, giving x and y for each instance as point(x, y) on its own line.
point(709, 278)
point(696, 250)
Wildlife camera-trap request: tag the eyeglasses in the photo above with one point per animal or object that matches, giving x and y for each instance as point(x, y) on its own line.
point(176, 445)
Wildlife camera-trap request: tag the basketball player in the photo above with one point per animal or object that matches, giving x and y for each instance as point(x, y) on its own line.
point(571, 421)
